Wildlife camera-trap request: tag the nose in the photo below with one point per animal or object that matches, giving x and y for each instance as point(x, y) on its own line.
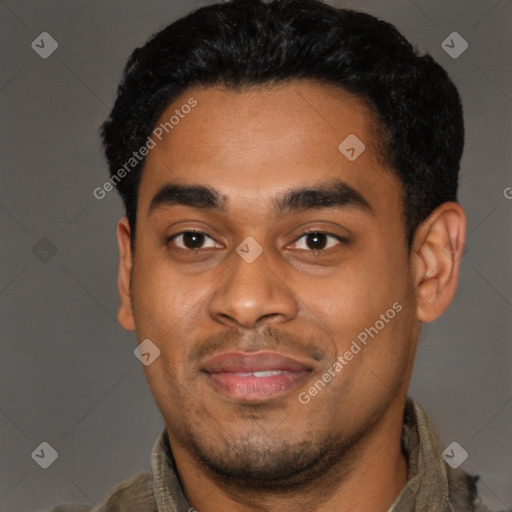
point(252, 294)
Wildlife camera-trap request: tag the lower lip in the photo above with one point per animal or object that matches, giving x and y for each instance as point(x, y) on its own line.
point(255, 388)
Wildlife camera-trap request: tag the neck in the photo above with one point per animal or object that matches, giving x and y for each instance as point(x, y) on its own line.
point(370, 477)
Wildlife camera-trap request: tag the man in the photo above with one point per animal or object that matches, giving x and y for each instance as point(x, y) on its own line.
point(289, 172)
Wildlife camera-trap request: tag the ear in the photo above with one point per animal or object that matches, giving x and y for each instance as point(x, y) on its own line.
point(125, 314)
point(438, 246)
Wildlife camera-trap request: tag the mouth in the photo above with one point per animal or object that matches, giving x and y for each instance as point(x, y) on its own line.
point(255, 376)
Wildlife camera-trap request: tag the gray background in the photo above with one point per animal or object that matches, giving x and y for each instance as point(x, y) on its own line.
point(68, 375)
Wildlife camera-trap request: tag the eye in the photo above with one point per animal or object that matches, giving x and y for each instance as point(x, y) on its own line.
point(192, 240)
point(318, 241)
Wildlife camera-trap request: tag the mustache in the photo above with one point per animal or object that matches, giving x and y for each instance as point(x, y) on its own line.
point(236, 340)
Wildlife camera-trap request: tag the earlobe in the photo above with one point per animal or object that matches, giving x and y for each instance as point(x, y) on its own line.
point(125, 313)
point(437, 251)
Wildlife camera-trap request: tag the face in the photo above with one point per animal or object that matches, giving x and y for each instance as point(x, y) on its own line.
point(272, 272)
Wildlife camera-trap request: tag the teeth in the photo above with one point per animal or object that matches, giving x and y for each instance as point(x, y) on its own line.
point(266, 373)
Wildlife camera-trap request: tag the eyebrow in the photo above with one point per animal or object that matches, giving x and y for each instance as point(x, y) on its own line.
point(334, 194)
point(194, 196)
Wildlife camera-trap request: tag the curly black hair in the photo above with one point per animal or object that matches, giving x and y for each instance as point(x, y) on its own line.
point(244, 43)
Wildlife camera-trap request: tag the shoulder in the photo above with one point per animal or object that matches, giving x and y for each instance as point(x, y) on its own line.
point(134, 494)
point(71, 508)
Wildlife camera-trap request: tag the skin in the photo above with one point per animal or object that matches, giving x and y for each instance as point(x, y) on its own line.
point(341, 451)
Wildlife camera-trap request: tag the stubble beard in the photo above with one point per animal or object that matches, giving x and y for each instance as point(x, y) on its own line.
point(267, 464)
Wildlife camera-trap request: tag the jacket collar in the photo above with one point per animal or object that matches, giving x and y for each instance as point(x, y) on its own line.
point(431, 483)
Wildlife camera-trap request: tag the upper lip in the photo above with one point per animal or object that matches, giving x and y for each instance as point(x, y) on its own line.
point(253, 362)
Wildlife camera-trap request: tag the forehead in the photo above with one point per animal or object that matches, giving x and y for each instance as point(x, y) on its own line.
point(267, 138)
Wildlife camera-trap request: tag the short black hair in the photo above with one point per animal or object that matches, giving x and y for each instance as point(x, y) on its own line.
point(244, 43)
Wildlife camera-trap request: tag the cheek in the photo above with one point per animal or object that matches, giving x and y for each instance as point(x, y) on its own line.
point(353, 301)
point(165, 309)
point(165, 299)
point(351, 297)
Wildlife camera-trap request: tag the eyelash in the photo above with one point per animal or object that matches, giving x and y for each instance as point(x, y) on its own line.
point(340, 239)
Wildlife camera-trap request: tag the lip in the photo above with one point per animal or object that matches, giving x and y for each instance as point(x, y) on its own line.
point(233, 374)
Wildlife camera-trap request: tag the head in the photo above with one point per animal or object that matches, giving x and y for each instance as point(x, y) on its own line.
point(315, 154)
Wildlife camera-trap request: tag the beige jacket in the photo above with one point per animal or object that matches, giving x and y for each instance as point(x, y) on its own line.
point(432, 486)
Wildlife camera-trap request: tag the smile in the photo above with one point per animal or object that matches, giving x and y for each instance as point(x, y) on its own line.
point(255, 376)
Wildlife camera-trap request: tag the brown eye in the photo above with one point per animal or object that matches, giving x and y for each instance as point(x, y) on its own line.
point(317, 241)
point(192, 240)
